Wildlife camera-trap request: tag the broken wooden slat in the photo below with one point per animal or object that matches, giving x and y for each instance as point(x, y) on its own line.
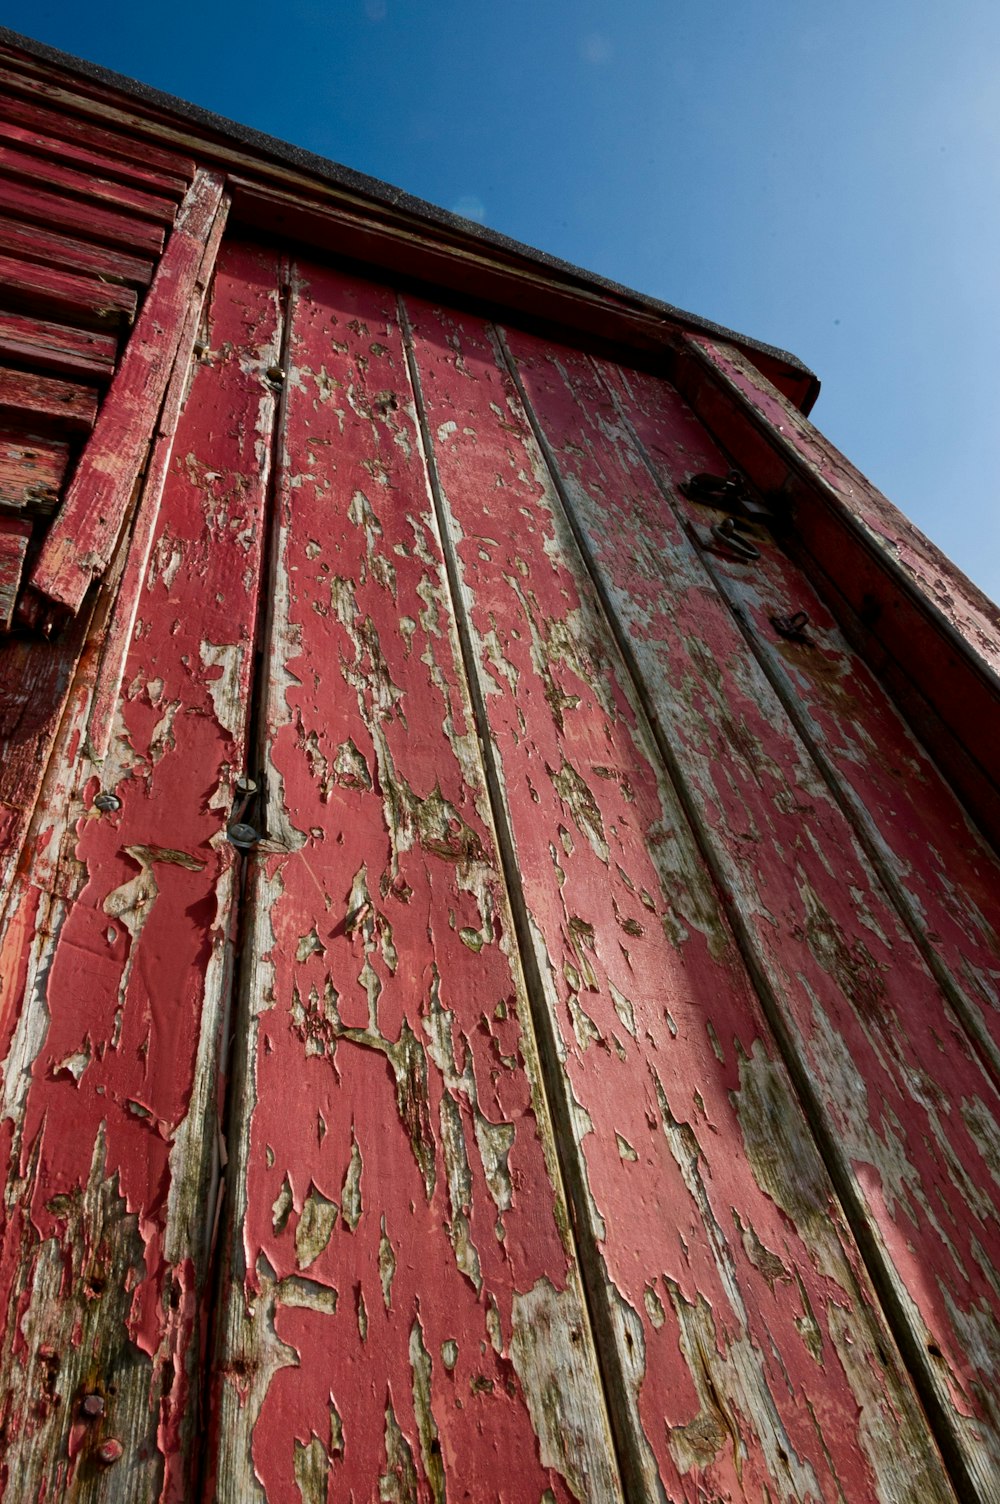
point(31, 472)
point(65, 123)
point(53, 347)
point(723, 1261)
point(86, 159)
point(54, 177)
point(26, 396)
point(64, 295)
point(77, 217)
point(32, 243)
point(14, 535)
point(121, 624)
point(860, 1020)
point(402, 1306)
point(111, 1091)
point(84, 534)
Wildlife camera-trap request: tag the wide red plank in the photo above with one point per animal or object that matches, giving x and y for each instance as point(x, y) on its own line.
point(31, 471)
point(893, 1090)
point(63, 295)
point(81, 540)
point(403, 1313)
point(14, 535)
point(53, 347)
point(65, 122)
point(740, 1337)
point(115, 960)
point(26, 396)
point(89, 186)
point(75, 216)
point(88, 160)
point(31, 243)
point(945, 882)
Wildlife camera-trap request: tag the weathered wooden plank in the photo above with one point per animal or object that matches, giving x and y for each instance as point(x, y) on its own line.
point(86, 159)
point(31, 471)
point(68, 126)
point(60, 212)
point(118, 943)
point(403, 1316)
point(65, 295)
point(932, 636)
point(14, 535)
point(54, 347)
point(878, 1056)
point(749, 1349)
point(122, 620)
point(54, 177)
point(32, 243)
point(28, 397)
point(81, 540)
point(944, 880)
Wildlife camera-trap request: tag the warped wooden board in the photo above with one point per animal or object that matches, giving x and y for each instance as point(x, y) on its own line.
point(70, 127)
point(14, 535)
point(403, 1318)
point(28, 397)
point(114, 965)
point(31, 471)
point(80, 217)
point(56, 348)
point(65, 295)
point(945, 880)
point(741, 1340)
point(86, 159)
point(86, 186)
point(896, 1097)
point(32, 243)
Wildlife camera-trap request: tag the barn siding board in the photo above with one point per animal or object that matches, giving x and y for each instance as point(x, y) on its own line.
point(584, 1086)
point(120, 934)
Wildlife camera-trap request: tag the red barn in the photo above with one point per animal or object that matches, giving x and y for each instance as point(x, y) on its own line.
point(499, 964)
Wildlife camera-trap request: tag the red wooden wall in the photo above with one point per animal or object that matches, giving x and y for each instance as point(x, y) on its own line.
point(499, 998)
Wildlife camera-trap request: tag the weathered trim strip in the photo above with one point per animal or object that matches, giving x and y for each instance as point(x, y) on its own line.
point(79, 544)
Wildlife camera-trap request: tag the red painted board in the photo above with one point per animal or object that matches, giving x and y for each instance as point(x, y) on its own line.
point(74, 216)
point(892, 1085)
point(64, 295)
point(67, 125)
point(56, 348)
point(87, 159)
point(31, 243)
point(31, 471)
point(14, 535)
point(403, 1318)
point(116, 955)
point(946, 882)
point(86, 186)
point(81, 540)
point(29, 398)
point(750, 1350)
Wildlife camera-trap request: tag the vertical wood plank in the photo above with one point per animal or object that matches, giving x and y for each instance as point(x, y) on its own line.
point(114, 964)
point(739, 1331)
point(878, 1056)
point(402, 1313)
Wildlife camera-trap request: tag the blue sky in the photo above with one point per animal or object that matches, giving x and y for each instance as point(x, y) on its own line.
point(823, 177)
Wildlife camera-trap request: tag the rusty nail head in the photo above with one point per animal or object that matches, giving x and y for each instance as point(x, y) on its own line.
point(107, 802)
point(246, 785)
point(91, 1406)
point(242, 836)
point(275, 374)
point(109, 1451)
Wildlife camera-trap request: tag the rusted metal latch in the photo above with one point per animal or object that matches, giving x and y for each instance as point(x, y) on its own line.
point(792, 627)
point(727, 536)
point(728, 492)
point(239, 831)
